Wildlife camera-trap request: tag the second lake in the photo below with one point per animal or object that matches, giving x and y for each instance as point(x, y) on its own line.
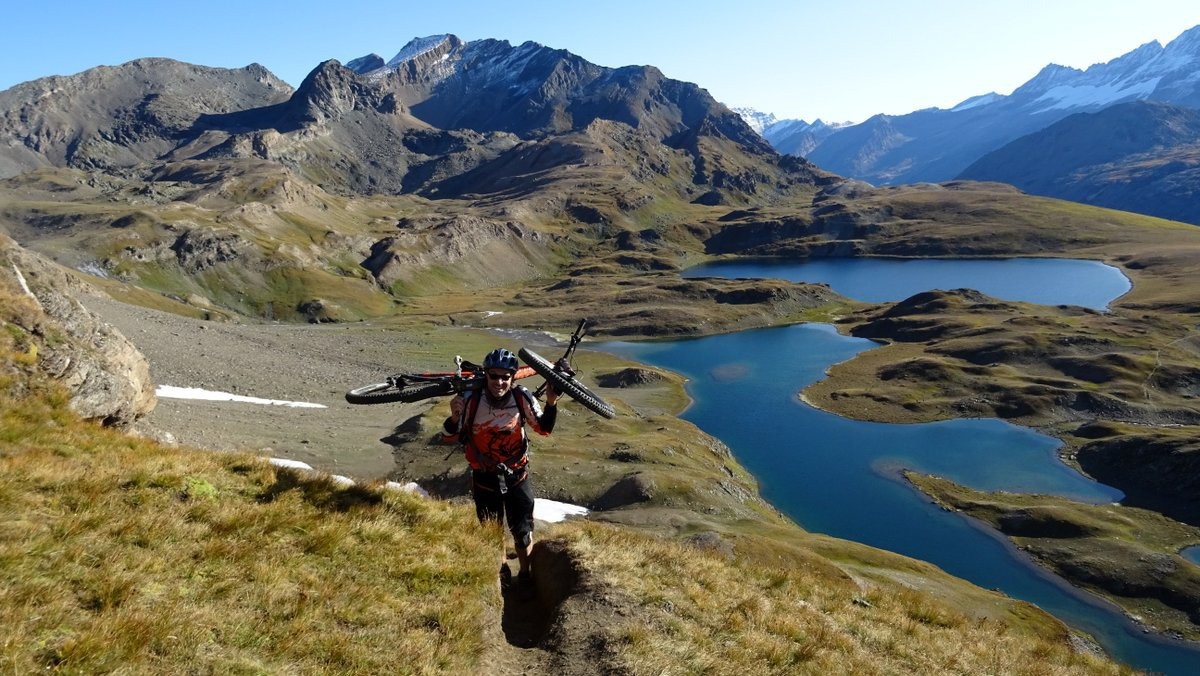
point(1048, 281)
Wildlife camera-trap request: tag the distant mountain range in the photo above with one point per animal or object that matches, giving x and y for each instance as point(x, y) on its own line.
point(1043, 138)
point(442, 117)
point(790, 137)
point(938, 145)
point(1141, 156)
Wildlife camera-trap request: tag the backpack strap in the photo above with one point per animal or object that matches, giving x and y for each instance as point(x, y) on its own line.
point(467, 420)
point(524, 400)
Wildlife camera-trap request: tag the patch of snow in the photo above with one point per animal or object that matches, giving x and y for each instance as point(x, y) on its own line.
point(93, 268)
point(783, 127)
point(491, 313)
point(553, 511)
point(21, 281)
point(290, 464)
point(976, 101)
point(410, 487)
point(417, 47)
point(173, 392)
point(758, 120)
point(1067, 96)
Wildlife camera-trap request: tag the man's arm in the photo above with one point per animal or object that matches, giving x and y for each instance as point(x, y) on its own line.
point(543, 421)
point(450, 425)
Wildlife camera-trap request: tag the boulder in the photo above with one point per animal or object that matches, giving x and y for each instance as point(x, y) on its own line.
point(108, 377)
point(628, 490)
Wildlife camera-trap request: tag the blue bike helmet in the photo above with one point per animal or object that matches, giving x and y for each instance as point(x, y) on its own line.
point(501, 358)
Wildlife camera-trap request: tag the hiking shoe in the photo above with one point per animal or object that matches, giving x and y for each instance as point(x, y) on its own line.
point(505, 577)
point(524, 588)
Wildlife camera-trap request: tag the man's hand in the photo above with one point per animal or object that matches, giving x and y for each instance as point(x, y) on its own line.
point(551, 394)
point(456, 408)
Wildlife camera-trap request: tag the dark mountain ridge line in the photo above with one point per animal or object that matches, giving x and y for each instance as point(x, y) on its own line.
point(550, 90)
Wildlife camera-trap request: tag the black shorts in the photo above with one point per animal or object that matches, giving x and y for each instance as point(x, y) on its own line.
point(516, 504)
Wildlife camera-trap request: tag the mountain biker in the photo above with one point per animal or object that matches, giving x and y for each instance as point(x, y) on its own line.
point(490, 424)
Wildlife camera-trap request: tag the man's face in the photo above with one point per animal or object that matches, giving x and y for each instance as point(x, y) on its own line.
point(499, 382)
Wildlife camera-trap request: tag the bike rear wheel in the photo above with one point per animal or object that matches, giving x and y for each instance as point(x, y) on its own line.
point(566, 384)
point(386, 393)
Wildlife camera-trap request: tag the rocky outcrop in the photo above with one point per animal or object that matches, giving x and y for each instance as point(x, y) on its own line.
point(482, 251)
point(108, 377)
point(202, 248)
point(1155, 470)
point(629, 377)
point(628, 490)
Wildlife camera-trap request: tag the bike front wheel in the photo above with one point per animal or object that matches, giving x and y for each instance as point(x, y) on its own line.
point(566, 384)
point(386, 393)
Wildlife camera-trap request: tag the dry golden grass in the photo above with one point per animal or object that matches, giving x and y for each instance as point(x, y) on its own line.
point(697, 612)
point(119, 554)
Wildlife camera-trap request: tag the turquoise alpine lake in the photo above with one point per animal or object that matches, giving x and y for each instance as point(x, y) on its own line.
point(841, 477)
point(1048, 281)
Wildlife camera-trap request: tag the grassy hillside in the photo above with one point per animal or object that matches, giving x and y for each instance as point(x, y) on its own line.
point(120, 554)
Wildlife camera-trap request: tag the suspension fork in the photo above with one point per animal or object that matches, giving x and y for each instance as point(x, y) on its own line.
point(564, 362)
point(575, 339)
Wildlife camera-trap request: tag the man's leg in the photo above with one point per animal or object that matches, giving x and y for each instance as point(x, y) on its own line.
point(489, 507)
point(519, 504)
point(485, 489)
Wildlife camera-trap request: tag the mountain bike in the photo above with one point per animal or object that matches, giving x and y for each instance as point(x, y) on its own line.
point(411, 387)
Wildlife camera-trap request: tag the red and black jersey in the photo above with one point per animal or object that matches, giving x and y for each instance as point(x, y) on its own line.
point(493, 433)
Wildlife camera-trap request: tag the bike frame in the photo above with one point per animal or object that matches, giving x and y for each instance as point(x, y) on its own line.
point(473, 377)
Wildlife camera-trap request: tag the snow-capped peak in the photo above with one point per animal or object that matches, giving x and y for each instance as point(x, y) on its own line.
point(974, 101)
point(417, 47)
point(757, 120)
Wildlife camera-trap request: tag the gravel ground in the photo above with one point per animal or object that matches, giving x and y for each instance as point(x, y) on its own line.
point(313, 363)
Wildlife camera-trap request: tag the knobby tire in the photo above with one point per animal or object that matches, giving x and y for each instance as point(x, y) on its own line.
point(566, 384)
point(384, 393)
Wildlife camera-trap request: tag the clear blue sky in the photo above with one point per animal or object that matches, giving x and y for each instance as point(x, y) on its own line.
point(834, 60)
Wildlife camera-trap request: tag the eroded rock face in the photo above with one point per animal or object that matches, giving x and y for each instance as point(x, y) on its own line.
point(108, 376)
point(203, 248)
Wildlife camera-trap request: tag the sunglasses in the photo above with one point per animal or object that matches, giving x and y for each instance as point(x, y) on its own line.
point(499, 376)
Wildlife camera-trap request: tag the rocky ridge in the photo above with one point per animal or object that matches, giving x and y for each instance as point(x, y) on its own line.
point(116, 117)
